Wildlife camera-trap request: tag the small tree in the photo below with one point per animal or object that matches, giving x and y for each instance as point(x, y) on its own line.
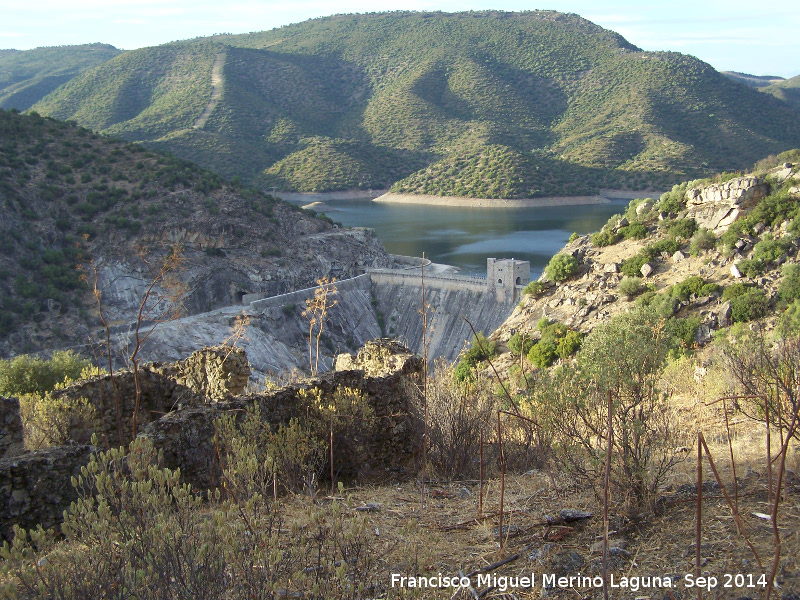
point(316, 312)
point(161, 302)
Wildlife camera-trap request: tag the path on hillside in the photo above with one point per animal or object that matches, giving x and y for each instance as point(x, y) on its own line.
point(217, 83)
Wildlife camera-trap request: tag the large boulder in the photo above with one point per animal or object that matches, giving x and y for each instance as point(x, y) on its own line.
point(718, 205)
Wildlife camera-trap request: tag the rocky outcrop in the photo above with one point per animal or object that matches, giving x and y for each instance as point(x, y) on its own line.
point(11, 440)
point(36, 489)
point(380, 358)
point(718, 205)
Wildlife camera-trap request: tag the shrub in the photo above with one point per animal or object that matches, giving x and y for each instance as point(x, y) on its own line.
point(710, 289)
point(674, 200)
point(631, 286)
point(634, 231)
point(606, 237)
point(686, 330)
point(769, 250)
point(136, 531)
point(632, 267)
point(624, 356)
point(28, 374)
point(691, 286)
point(569, 344)
point(520, 345)
point(573, 237)
point(683, 228)
point(703, 239)
point(481, 349)
point(534, 288)
point(751, 305)
point(789, 322)
point(735, 290)
point(789, 289)
point(561, 267)
point(543, 353)
point(48, 421)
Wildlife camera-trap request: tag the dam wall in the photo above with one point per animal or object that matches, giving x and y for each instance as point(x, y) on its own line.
point(379, 303)
point(449, 302)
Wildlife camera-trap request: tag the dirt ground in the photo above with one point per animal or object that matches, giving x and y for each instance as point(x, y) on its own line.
point(652, 556)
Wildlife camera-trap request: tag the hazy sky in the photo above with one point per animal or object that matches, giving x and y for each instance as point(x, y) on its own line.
point(732, 35)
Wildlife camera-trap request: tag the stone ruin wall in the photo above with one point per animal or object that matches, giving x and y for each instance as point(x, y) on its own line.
point(35, 487)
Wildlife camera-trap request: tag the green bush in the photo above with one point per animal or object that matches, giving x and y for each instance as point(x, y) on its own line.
point(519, 344)
point(703, 239)
point(688, 287)
point(683, 228)
point(605, 238)
point(735, 290)
point(751, 268)
point(29, 374)
point(534, 288)
point(686, 330)
point(789, 289)
point(481, 349)
point(634, 231)
point(573, 237)
point(557, 340)
point(789, 322)
point(561, 267)
point(769, 249)
point(631, 286)
point(632, 267)
point(674, 200)
point(543, 353)
point(569, 344)
point(751, 305)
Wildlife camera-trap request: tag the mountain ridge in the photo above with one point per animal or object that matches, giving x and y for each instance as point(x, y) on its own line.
point(371, 101)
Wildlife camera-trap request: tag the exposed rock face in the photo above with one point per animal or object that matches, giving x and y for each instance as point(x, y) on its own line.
point(380, 358)
point(36, 488)
point(718, 205)
point(11, 440)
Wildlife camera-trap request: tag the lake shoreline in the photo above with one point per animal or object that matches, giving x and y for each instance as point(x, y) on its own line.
point(466, 202)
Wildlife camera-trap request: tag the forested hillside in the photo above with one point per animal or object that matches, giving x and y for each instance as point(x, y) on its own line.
point(72, 200)
point(27, 76)
point(486, 104)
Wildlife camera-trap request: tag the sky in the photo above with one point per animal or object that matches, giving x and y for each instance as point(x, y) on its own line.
point(731, 35)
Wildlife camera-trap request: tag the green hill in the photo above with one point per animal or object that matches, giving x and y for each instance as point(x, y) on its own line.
point(69, 195)
point(27, 76)
point(787, 90)
point(756, 81)
point(474, 103)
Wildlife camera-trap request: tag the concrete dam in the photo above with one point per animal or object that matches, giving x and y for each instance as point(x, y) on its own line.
point(378, 303)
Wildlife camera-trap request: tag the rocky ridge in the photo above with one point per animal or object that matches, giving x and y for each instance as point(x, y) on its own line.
point(592, 295)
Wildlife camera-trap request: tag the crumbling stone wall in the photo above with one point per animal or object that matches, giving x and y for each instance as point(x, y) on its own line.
point(36, 488)
point(11, 440)
point(215, 373)
point(390, 440)
point(209, 374)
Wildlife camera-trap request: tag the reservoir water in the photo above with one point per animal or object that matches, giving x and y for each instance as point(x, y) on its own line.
point(465, 237)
